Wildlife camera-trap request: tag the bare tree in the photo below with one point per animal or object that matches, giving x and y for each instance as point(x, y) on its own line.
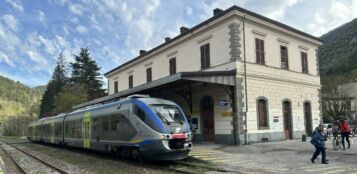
point(335, 100)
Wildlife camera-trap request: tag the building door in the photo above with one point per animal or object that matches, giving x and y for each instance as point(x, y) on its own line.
point(288, 129)
point(207, 116)
point(308, 118)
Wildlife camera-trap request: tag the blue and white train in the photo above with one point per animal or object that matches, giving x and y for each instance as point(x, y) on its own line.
point(138, 127)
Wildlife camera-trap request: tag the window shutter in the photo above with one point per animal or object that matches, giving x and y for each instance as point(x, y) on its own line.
point(262, 56)
point(172, 63)
point(115, 86)
point(148, 75)
point(287, 58)
point(130, 81)
point(174, 66)
point(202, 57)
point(207, 56)
point(257, 53)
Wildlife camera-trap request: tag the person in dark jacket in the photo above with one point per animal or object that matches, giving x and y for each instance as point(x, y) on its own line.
point(317, 129)
point(318, 140)
point(345, 134)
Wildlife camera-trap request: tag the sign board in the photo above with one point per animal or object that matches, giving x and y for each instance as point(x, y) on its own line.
point(223, 103)
point(275, 119)
point(226, 114)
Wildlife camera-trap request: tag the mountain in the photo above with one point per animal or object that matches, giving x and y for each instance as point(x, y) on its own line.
point(17, 99)
point(41, 88)
point(338, 54)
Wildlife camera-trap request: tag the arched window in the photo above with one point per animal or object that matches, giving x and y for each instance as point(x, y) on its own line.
point(262, 112)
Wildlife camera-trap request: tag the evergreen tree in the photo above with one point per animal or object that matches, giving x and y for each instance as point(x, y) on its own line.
point(86, 71)
point(57, 82)
point(69, 96)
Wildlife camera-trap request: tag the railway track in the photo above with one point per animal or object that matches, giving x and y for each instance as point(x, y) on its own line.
point(27, 162)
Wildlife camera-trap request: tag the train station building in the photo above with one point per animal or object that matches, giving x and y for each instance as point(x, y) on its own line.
point(240, 78)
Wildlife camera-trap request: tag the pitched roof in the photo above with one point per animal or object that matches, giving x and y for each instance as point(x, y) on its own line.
point(239, 9)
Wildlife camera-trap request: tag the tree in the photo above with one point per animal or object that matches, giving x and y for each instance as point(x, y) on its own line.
point(86, 71)
point(58, 81)
point(68, 97)
point(335, 101)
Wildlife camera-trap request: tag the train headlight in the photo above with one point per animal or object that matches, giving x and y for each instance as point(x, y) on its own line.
point(165, 136)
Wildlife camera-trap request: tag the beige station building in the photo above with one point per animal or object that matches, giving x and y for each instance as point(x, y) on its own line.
point(240, 78)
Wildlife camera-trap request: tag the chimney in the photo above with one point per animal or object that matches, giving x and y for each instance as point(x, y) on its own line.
point(167, 39)
point(183, 29)
point(217, 11)
point(142, 52)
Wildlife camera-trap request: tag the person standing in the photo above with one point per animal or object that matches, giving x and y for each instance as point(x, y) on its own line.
point(318, 140)
point(345, 134)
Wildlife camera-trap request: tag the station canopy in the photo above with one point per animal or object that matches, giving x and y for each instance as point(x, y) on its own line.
point(179, 79)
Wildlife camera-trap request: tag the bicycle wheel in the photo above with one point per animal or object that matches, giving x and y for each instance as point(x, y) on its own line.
point(335, 144)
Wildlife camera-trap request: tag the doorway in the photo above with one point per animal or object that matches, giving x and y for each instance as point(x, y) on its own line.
point(288, 128)
point(308, 118)
point(207, 116)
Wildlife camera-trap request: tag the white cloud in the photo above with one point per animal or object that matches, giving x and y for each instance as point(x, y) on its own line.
point(65, 30)
point(189, 11)
point(16, 4)
point(42, 18)
point(6, 59)
point(49, 45)
point(36, 57)
point(81, 29)
point(337, 13)
point(10, 21)
point(76, 9)
point(277, 10)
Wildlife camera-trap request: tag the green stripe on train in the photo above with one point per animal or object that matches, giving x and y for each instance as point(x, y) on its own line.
point(86, 128)
point(52, 130)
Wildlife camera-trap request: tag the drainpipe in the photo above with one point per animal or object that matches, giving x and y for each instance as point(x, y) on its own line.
point(245, 87)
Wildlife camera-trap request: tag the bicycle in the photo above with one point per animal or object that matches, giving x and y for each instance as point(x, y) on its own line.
point(337, 141)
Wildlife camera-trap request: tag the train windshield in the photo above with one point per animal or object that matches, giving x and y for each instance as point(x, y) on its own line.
point(168, 113)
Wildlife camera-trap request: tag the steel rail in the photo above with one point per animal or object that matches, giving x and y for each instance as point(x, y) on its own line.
point(13, 160)
point(32, 156)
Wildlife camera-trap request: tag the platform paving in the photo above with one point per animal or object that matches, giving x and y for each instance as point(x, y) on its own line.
point(290, 156)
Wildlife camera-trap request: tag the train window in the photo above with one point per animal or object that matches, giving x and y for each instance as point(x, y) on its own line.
point(79, 128)
point(67, 129)
point(114, 121)
point(57, 130)
point(139, 112)
point(73, 129)
point(105, 123)
point(96, 124)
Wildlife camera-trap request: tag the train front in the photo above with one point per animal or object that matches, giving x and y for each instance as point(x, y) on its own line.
point(172, 135)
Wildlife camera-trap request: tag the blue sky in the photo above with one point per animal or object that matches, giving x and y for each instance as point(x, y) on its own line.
point(33, 33)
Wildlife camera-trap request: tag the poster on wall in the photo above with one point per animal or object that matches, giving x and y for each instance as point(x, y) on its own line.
point(276, 122)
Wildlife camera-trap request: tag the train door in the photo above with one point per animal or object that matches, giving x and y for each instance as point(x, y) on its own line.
point(86, 129)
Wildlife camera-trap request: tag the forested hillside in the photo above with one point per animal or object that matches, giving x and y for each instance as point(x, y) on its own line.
point(338, 55)
point(17, 99)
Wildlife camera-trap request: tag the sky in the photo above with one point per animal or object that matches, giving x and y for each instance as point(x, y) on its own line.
point(34, 32)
